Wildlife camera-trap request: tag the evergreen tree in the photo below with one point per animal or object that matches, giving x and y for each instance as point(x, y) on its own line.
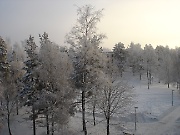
point(176, 67)
point(150, 61)
point(135, 58)
point(17, 73)
point(30, 89)
point(6, 82)
point(120, 55)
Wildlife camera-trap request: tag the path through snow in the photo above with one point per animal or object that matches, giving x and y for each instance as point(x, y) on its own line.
point(165, 125)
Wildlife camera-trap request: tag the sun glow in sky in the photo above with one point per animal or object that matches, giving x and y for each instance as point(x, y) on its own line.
point(155, 22)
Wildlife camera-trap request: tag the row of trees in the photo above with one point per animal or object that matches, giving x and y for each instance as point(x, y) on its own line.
point(161, 62)
point(40, 80)
point(53, 80)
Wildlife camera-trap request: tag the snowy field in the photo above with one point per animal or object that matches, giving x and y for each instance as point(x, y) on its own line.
point(155, 114)
point(155, 108)
point(157, 99)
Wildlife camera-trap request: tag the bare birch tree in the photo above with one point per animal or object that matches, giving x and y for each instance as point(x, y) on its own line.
point(116, 95)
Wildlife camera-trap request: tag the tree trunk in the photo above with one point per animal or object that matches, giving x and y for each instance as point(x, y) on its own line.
point(148, 82)
point(52, 124)
point(94, 117)
point(108, 132)
point(168, 78)
point(149, 77)
point(17, 107)
point(133, 70)
point(177, 86)
point(47, 123)
point(140, 76)
point(9, 129)
point(8, 118)
point(34, 121)
point(83, 113)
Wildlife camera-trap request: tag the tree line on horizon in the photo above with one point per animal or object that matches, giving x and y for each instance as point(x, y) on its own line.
point(161, 62)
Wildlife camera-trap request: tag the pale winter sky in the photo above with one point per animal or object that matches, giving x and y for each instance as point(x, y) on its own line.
point(155, 22)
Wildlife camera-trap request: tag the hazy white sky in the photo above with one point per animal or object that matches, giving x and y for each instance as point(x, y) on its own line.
point(155, 22)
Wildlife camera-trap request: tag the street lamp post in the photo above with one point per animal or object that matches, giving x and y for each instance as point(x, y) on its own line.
point(172, 97)
point(135, 116)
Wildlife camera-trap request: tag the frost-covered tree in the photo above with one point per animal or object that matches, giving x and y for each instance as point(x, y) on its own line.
point(150, 61)
point(95, 87)
point(30, 92)
point(175, 59)
point(7, 84)
point(20, 54)
point(10, 73)
point(115, 96)
point(54, 72)
point(135, 58)
point(177, 67)
point(160, 56)
point(85, 40)
point(16, 65)
point(120, 55)
point(3, 60)
point(165, 63)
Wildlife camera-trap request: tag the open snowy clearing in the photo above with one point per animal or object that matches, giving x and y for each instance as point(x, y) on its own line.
point(155, 113)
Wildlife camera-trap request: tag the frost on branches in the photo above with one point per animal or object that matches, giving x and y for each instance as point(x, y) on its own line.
point(30, 92)
point(84, 42)
point(54, 72)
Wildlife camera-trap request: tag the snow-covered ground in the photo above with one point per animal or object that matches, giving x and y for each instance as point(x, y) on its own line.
point(155, 114)
point(155, 100)
point(169, 124)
